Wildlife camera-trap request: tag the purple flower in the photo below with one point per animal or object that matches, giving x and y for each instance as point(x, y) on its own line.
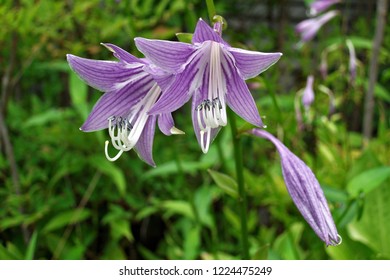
point(352, 60)
point(319, 6)
point(130, 92)
point(212, 73)
point(308, 93)
point(305, 191)
point(309, 27)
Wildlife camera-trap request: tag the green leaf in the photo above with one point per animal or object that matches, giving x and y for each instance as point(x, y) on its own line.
point(178, 207)
point(111, 170)
point(184, 37)
point(225, 182)
point(373, 229)
point(32, 245)
point(52, 115)
point(192, 243)
point(172, 168)
point(67, 218)
point(368, 180)
point(349, 249)
point(78, 92)
point(286, 245)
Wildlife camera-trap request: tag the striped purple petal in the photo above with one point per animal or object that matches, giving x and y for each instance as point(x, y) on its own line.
point(104, 75)
point(181, 89)
point(117, 103)
point(122, 55)
point(305, 191)
point(203, 32)
point(251, 63)
point(170, 56)
point(167, 125)
point(144, 146)
point(238, 96)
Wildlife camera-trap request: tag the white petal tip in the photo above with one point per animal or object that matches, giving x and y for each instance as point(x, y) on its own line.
point(175, 130)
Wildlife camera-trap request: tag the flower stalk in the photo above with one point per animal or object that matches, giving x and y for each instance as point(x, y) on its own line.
point(242, 200)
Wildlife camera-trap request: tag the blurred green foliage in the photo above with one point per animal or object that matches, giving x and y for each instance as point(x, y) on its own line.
point(74, 204)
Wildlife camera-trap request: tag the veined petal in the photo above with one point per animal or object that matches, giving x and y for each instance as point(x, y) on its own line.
point(203, 32)
point(116, 103)
point(144, 145)
point(305, 191)
point(167, 125)
point(162, 78)
point(251, 63)
point(104, 75)
point(170, 56)
point(121, 54)
point(181, 89)
point(238, 96)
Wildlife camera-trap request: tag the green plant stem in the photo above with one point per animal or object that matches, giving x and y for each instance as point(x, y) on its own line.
point(242, 201)
point(211, 9)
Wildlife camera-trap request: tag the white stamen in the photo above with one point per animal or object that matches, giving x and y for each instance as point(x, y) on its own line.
point(213, 109)
point(129, 129)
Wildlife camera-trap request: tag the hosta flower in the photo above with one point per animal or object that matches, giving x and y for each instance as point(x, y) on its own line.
point(305, 191)
point(130, 92)
point(309, 27)
point(308, 93)
point(212, 73)
point(319, 6)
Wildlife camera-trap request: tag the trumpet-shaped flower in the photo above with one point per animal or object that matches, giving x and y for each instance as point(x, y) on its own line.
point(319, 6)
point(305, 191)
point(130, 92)
point(309, 27)
point(212, 73)
point(308, 93)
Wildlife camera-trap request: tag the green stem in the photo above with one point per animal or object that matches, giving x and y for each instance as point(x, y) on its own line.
point(211, 9)
point(242, 201)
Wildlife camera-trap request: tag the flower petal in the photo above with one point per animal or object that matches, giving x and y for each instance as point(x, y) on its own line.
point(104, 75)
point(251, 63)
point(116, 103)
point(203, 32)
point(181, 89)
point(167, 125)
point(238, 96)
point(168, 55)
point(305, 191)
point(144, 144)
point(121, 54)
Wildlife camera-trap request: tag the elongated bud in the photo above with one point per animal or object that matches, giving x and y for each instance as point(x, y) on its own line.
point(305, 191)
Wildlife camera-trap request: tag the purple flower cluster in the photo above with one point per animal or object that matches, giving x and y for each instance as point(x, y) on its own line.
point(308, 28)
point(138, 92)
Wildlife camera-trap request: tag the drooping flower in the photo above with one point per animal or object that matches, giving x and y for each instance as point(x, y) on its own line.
point(319, 6)
point(129, 93)
point(308, 28)
point(308, 93)
point(211, 72)
point(352, 60)
point(305, 191)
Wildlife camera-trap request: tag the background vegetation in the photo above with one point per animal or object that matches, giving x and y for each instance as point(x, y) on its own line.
point(61, 199)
